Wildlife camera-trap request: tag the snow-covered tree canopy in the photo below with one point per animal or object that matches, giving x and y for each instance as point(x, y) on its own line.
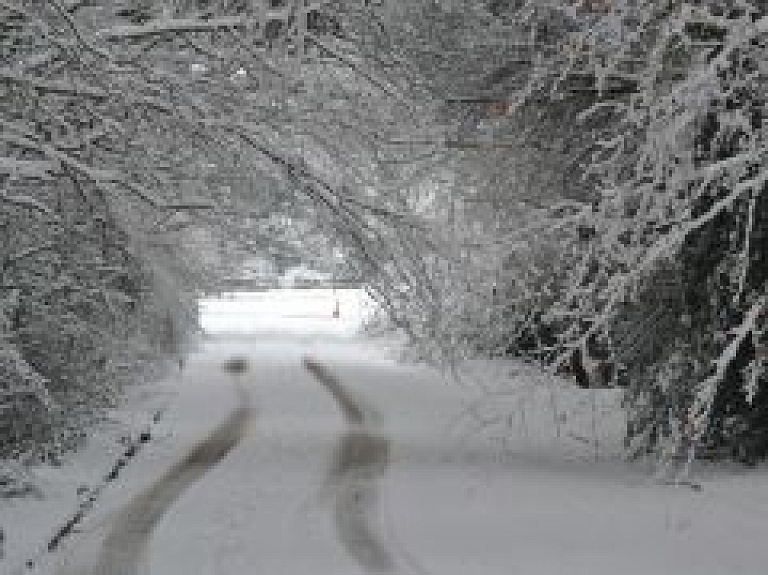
point(504, 174)
point(648, 119)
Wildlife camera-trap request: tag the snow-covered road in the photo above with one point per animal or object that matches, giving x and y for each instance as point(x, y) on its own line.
point(262, 490)
point(328, 457)
point(286, 483)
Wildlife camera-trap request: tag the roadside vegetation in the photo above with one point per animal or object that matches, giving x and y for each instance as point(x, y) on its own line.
point(579, 183)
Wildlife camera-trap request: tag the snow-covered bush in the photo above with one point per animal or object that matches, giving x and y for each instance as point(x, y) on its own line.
point(662, 118)
point(26, 407)
point(684, 214)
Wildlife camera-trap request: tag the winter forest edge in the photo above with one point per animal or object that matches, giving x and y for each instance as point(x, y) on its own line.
point(579, 183)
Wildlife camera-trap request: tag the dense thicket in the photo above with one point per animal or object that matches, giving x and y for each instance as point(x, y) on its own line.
point(146, 147)
point(605, 201)
point(579, 181)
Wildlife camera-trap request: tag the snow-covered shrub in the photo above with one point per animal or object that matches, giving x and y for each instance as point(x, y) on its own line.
point(666, 110)
point(684, 212)
point(26, 408)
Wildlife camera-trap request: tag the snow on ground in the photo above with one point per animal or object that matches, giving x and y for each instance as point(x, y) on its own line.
point(303, 312)
point(458, 500)
point(30, 523)
point(506, 472)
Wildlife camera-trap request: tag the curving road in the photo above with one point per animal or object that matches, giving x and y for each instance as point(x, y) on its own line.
point(300, 475)
point(273, 473)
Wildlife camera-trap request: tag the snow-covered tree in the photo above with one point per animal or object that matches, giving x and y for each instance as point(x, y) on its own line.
point(679, 224)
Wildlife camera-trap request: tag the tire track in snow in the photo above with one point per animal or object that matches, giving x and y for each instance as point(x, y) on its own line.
point(362, 456)
point(123, 549)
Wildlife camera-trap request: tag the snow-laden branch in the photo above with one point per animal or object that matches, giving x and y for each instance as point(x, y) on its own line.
point(702, 405)
point(52, 86)
point(674, 239)
point(25, 253)
point(25, 202)
point(41, 169)
point(354, 66)
point(376, 252)
point(68, 17)
point(296, 170)
point(619, 285)
point(746, 250)
point(99, 177)
point(177, 26)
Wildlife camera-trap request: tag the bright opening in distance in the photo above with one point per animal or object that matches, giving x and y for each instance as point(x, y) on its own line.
point(307, 311)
